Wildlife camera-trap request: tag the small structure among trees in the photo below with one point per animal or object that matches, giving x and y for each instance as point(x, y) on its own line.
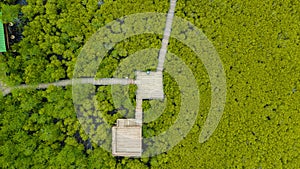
point(2, 36)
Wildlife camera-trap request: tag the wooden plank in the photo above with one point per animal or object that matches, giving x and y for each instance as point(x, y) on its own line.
point(127, 123)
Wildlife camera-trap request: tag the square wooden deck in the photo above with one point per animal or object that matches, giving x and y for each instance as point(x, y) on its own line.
point(127, 138)
point(150, 85)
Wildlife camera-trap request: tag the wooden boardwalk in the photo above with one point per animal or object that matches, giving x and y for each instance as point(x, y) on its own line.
point(104, 81)
point(127, 134)
point(167, 33)
point(127, 137)
point(127, 140)
point(139, 111)
point(96, 82)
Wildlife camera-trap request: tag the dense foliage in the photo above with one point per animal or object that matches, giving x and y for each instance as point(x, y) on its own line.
point(258, 42)
point(10, 12)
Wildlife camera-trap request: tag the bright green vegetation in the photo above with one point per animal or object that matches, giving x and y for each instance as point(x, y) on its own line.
point(258, 42)
point(10, 12)
point(2, 35)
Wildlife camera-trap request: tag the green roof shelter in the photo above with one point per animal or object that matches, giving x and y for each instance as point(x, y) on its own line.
point(2, 36)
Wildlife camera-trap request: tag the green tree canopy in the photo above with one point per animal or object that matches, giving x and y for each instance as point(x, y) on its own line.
point(9, 12)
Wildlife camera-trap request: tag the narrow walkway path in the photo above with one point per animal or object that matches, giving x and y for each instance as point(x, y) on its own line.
point(99, 82)
point(105, 81)
point(167, 33)
point(139, 111)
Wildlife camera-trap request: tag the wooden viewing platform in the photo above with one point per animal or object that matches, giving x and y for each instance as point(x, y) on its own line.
point(127, 138)
point(127, 135)
point(150, 85)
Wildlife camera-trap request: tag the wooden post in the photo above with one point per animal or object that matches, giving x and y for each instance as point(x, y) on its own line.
point(6, 36)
